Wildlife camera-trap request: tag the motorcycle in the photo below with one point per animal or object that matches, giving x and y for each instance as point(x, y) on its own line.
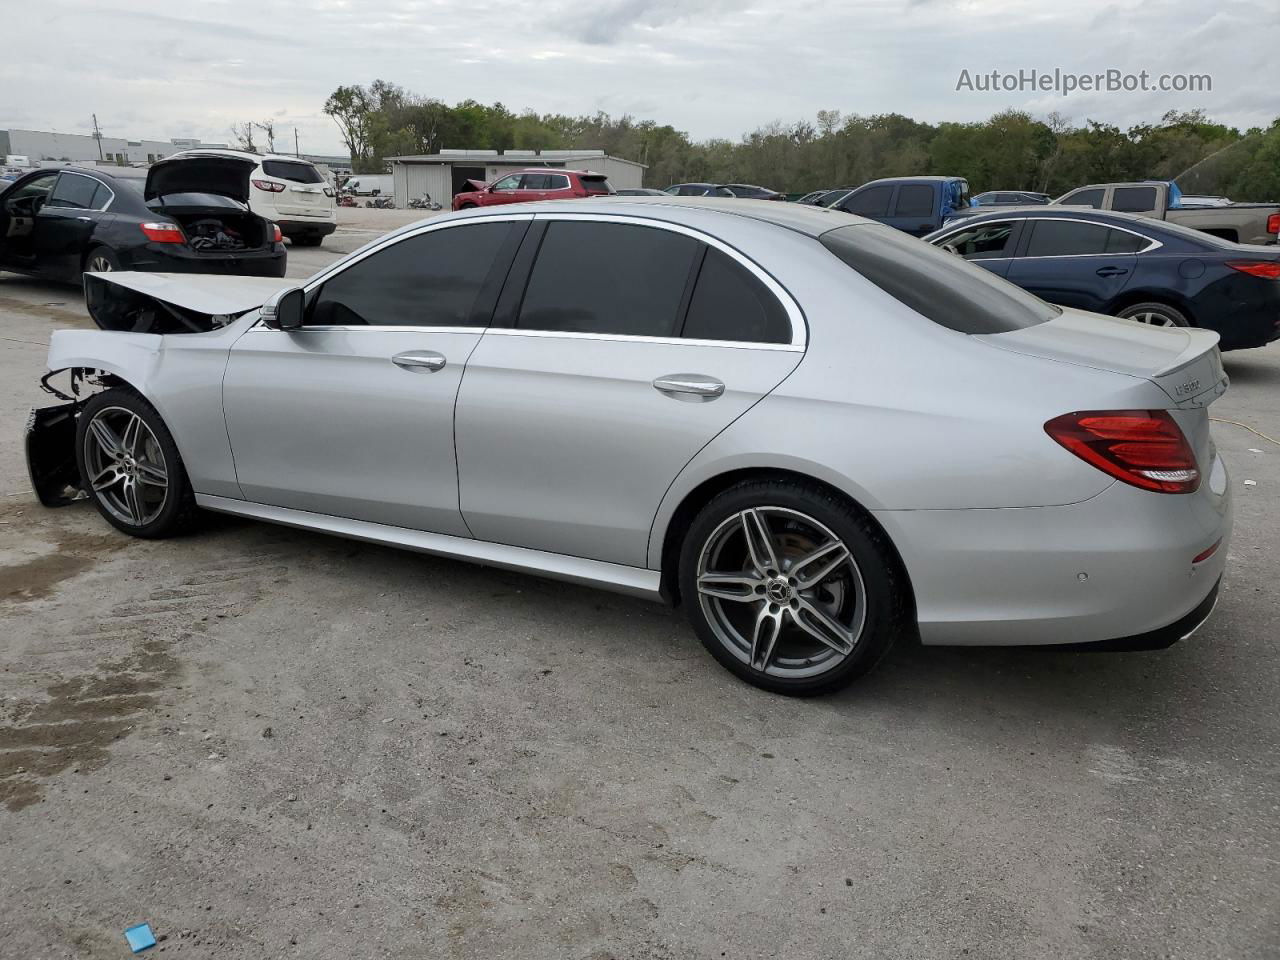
point(381, 203)
point(347, 200)
point(424, 202)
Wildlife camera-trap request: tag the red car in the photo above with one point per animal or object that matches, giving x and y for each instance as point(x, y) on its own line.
point(535, 184)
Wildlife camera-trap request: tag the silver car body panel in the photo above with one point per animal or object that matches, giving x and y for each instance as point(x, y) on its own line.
point(573, 463)
point(633, 581)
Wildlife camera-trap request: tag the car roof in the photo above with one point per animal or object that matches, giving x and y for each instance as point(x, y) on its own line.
point(930, 179)
point(1054, 210)
point(240, 154)
point(810, 221)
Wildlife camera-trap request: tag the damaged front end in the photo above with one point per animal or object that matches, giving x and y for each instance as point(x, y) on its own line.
point(51, 446)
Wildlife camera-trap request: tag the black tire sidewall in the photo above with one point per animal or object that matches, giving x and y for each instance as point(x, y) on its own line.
point(884, 593)
point(177, 511)
point(1179, 318)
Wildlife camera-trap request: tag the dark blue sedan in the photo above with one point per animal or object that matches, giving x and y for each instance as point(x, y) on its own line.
point(1128, 266)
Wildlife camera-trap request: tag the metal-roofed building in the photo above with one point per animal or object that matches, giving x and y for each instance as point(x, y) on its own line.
point(445, 173)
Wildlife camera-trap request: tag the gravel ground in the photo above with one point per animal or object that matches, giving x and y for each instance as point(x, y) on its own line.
point(268, 743)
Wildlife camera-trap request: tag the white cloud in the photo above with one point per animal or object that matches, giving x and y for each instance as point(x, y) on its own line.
point(716, 68)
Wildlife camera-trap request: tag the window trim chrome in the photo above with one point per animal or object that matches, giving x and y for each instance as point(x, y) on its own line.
point(92, 179)
point(795, 315)
point(1153, 244)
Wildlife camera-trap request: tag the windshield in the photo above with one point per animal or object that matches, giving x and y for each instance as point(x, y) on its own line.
point(935, 284)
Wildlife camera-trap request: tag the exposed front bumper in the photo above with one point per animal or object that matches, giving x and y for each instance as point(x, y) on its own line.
point(1112, 568)
point(51, 453)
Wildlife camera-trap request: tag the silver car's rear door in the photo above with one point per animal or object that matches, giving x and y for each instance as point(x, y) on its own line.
point(568, 438)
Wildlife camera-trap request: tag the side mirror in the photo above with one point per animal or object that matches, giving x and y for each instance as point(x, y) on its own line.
point(284, 310)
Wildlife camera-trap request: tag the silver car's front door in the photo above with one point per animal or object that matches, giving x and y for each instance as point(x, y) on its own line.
point(568, 438)
point(353, 423)
point(352, 415)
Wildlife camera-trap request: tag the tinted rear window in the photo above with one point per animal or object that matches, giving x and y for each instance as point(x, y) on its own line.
point(607, 278)
point(292, 170)
point(596, 184)
point(938, 285)
point(730, 303)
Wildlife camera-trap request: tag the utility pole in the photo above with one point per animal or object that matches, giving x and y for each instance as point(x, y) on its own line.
point(296, 152)
point(97, 135)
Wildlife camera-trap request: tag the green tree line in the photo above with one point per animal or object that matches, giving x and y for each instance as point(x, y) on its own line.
point(1011, 150)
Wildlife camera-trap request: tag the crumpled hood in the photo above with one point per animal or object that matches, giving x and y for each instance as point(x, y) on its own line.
point(199, 293)
point(200, 173)
point(474, 186)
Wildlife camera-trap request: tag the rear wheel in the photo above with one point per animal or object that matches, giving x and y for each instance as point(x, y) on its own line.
point(130, 466)
point(307, 240)
point(791, 587)
point(101, 260)
point(1155, 315)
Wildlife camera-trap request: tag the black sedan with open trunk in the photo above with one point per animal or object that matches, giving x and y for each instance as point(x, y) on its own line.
point(190, 215)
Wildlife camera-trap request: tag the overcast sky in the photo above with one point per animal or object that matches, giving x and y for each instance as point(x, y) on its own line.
point(714, 68)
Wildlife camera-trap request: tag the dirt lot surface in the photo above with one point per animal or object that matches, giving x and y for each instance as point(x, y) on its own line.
point(268, 743)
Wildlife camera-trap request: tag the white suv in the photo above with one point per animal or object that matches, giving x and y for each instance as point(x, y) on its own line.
point(290, 191)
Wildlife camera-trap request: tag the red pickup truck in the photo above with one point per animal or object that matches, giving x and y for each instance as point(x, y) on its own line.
point(534, 184)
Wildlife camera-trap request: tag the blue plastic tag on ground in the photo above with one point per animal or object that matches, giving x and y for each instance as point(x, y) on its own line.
point(140, 937)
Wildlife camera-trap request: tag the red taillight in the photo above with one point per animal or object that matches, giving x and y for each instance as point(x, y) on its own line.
point(163, 232)
point(1273, 223)
point(1266, 269)
point(276, 235)
point(1144, 448)
point(1204, 555)
point(268, 186)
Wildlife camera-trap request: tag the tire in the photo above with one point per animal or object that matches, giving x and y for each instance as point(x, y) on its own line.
point(466, 206)
point(1155, 314)
point(863, 594)
point(307, 240)
point(145, 453)
point(101, 259)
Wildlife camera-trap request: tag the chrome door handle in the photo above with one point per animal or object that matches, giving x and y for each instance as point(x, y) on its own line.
point(85, 219)
point(689, 386)
point(427, 360)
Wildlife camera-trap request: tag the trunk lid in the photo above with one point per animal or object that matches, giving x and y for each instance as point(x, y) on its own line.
point(198, 173)
point(1183, 362)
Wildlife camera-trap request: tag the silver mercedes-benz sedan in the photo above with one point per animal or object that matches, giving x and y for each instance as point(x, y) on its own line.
point(815, 433)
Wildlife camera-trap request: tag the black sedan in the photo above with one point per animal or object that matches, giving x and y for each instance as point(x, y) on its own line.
point(187, 216)
point(1128, 266)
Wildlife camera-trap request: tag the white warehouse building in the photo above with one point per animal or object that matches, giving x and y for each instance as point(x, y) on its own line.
point(445, 173)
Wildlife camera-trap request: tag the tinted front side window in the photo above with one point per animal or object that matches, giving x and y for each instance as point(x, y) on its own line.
point(1133, 199)
point(981, 242)
point(938, 285)
point(872, 202)
point(730, 303)
point(73, 191)
point(1066, 238)
point(607, 278)
point(914, 200)
point(292, 170)
point(430, 280)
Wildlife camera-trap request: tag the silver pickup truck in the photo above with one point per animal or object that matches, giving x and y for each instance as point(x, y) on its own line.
point(1240, 222)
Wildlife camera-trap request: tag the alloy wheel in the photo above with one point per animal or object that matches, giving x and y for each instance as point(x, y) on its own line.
point(1153, 318)
point(99, 264)
point(125, 466)
point(781, 592)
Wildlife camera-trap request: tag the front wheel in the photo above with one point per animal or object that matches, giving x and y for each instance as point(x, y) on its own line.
point(791, 587)
point(1155, 315)
point(306, 240)
point(130, 466)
